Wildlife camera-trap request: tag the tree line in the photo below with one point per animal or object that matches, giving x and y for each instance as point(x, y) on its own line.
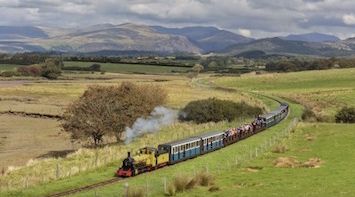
point(295, 64)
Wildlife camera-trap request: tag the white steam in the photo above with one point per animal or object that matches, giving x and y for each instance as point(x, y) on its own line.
point(159, 117)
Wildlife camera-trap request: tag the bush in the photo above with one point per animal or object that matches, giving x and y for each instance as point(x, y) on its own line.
point(9, 74)
point(215, 110)
point(180, 183)
point(205, 179)
point(30, 70)
point(346, 115)
point(52, 68)
point(309, 115)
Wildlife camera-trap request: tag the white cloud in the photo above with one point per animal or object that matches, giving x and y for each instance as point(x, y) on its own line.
point(258, 18)
point(244, 32)
point(349, 19)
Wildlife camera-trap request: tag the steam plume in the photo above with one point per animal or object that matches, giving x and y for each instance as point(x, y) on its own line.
point(159, 117)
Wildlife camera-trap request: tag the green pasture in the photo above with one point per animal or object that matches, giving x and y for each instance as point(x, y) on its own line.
point(8, 67)
point(131, 68)
point(324, 91)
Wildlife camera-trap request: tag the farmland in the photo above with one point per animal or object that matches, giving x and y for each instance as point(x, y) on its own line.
point(238, 169)
point(51, 98)
point(131, 68)
point(324, 92)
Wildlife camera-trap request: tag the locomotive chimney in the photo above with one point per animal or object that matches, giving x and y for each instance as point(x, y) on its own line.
point(128, 154)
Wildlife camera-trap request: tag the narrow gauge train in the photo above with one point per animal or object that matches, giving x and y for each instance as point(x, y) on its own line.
point(149, 158)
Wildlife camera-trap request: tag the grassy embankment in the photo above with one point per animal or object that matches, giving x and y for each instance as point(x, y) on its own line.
point(30, 96)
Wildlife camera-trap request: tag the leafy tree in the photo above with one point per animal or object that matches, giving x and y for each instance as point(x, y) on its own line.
point(52, 68)
point(108, 110)
point(346, 115)
point(215, 110)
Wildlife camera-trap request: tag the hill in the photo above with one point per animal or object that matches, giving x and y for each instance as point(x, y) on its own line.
point(280, 46)
point(312, 37)
point(125, 37)
point(137, 39)
point(209, 39)
point(21, 32)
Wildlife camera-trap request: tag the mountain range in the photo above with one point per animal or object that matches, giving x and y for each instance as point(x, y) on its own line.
point(142, 38)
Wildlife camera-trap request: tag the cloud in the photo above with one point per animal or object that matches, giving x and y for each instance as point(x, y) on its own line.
point(261, 17)
point(244, 32)
point(349, 19)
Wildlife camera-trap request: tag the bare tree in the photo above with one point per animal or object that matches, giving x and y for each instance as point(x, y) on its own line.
point(108, 110)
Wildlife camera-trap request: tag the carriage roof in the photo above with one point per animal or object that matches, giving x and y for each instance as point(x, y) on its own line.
point(211, 134)
point(183, 141)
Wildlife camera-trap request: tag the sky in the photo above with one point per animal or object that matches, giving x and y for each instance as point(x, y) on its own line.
point(253, 18)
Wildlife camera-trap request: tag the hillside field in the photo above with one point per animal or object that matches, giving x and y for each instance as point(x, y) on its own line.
point(247, 168)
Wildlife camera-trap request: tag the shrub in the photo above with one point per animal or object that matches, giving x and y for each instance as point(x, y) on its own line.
point(9, 74)
point(52, 68)
point(205, 178)
point(192, 183)
point(30, 70)
point(180, 183)
point(309, 115)
point(215, 110)
point(346, 115)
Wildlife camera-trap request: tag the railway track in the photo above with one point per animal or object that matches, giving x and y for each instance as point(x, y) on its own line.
point(85, 188)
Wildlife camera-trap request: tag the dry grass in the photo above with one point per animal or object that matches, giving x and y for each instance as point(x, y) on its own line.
point(182, 183)
point(286, 162)
point(135, 192)
point(312, 163)
point(291, 162)
point(205, 179)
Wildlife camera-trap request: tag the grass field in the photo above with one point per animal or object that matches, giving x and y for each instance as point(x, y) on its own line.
point(211, 161)
point(51, 97)
point(324, 92)
point(131, 68)
point(8, 67)
point(237, 172)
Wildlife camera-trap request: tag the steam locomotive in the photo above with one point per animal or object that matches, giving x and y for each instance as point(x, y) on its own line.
point(150, 158)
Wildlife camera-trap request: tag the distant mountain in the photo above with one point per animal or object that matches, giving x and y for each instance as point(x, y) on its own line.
point(311, 37)
point(209, 39)
point(289, 47)
point(125, 37)
point(136, 39)
point(21, 32)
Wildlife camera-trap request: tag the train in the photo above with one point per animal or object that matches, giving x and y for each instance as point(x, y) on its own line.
point(151, 158)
